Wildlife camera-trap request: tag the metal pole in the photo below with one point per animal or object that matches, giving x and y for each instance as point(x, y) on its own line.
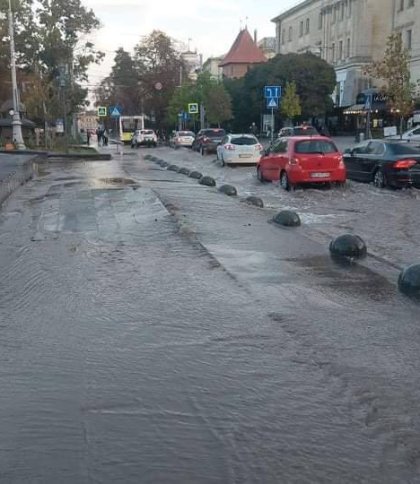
point(272, 125)
point(368, 117)
point(16, 121)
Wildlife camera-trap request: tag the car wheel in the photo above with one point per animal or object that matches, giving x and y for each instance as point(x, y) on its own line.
point(379, 179)
point(284, 181)
point(260, 176)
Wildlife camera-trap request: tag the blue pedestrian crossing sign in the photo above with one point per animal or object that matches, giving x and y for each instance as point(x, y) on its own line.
point(273, 103)
point(272, 92)
point(114, 111)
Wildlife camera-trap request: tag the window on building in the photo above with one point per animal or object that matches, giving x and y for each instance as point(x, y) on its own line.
point(307, 26)
point(334, 14)
point(409, 39)
point(340, 50)
point(349, 8)
point(401, 5)
point(410, 3)
point(283, 36)
point(301, 28)
point(290, 34)
point(333, 53)
point(348, 48)
point(342, 11)
point(320, 21)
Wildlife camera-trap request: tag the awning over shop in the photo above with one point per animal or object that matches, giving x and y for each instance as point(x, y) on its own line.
point(355, 109)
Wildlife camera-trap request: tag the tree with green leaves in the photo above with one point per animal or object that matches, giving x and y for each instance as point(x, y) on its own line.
point(315, 81)
point(394, 71)
point(290, 103)
point(51, 44)
point(160, 68)
point(121, 87)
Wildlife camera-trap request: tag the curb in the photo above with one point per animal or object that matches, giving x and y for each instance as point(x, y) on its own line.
point(19, 177)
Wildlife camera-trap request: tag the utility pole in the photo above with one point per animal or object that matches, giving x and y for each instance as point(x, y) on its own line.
point(16, 121)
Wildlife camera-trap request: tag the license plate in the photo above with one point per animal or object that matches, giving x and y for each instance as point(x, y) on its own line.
point(320, 175)
point(245, 156)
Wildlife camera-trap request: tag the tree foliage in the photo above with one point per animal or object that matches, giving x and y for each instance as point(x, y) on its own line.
point(50, 38)
point(394, 71)
point(314, 78)
point(290, 103)
point(207, 91)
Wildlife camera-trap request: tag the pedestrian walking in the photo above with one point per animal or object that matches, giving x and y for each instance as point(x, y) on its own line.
point(105, 137)
point(99, 136)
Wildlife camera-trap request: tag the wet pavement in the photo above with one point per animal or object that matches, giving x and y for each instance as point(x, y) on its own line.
point(155, 330)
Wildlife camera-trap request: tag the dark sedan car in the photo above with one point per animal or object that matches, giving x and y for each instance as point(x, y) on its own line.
point(384, 163)
point(207, 140)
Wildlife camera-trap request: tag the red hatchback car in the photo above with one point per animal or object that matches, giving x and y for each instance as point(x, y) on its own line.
point(302, 159)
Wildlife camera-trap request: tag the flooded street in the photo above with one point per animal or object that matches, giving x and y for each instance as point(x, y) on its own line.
point(154, 330)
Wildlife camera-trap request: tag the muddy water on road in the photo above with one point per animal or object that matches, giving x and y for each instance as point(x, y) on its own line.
point(128, 355)
point(389, 220)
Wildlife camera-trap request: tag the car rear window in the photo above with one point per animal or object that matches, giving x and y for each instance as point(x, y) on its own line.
point(403, 149)
point(148, 131)
point(315, 146)
point(185, 133)
point(215, 133)
point(309, 130)
point(244, 140)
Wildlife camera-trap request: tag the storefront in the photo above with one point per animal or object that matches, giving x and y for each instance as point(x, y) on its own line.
point(355, 117)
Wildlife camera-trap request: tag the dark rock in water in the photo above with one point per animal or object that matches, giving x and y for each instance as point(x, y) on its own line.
point(173, 168)
point(184, 171)
point(208, 181)
point(196, 175)
point(287, 218)
point(348, 245)
point(228, 190)
point(164, 164)
point(409, 281)
point(255, 201)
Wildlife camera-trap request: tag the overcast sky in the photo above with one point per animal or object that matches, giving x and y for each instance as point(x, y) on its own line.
point(212, 25)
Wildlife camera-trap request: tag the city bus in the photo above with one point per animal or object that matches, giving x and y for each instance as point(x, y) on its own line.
point(127, 126)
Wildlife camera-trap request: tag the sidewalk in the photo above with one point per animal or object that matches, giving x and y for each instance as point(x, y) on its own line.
point(14, 171)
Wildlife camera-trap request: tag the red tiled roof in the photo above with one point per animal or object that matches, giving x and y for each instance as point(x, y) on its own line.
point(244, 51)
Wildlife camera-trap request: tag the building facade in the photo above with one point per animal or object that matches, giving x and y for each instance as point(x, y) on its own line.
point(349, 34)
point(406, 20)
point(211, 65)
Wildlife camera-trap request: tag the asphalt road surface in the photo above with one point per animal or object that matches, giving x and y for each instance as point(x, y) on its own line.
point(155, 330)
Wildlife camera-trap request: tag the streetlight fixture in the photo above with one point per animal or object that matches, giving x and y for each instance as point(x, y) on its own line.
point(16, 121)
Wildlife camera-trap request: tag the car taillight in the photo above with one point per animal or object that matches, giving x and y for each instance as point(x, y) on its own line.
point(341, 163)
point(229, 147)
point(404, 164)
point(205, 140)
point(293, 161)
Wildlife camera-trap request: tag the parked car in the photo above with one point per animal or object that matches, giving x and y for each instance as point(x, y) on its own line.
point(144, 137)
point(304, 130)
point(207, 140)
point(302, 159)
point(239, 148)
point(182, 138)
point(384, 163)
point(410, 135)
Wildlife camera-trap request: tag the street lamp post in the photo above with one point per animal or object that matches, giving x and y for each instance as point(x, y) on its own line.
point(16, 121)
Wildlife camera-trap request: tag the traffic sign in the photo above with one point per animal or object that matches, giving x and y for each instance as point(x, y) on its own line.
point(193, 108)
point(272, 92)
point(114, 111)
point(102, 112)
point(272, 103)
point(368, 102)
